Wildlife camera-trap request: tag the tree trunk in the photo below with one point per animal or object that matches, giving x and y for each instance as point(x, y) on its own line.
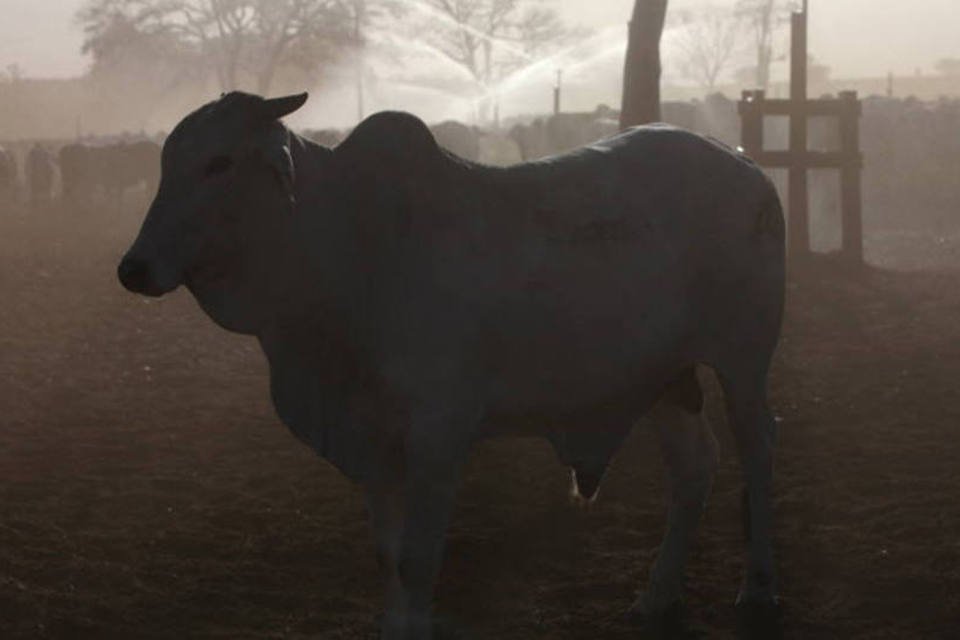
point(265, 79)
point(269, 69)
point(232, 63)
point(265, 75)
point(641, 73)
point(764, 59)
point(765, 43)
point(358, 19)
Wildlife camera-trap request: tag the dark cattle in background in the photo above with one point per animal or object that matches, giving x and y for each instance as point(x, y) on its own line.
point(454, 136)
point(128, 165)
point(410, 304)
point(461, 139)
point(76, 172)
point(563, 132)
point(8, 175)
point(325, 137)
point(40, 173)
point(109, 170)
point(681, 114)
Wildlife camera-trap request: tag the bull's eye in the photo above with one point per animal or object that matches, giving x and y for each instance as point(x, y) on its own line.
point(217, 165)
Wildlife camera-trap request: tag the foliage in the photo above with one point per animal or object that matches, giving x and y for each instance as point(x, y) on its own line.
point(13, 73)
point(492, 38)
point(247, 43)
point(948, 66)
point(707, 42)
point(762, 19)
point(239, 41)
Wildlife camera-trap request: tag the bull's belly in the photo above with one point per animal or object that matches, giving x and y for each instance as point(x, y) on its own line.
point(563, 375)
point(608, 413)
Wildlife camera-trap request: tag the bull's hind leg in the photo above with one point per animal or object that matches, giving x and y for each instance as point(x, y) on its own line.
point(755, 431)
point(690, 454)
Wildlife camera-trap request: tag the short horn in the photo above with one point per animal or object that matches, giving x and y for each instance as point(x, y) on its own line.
point(276, 108)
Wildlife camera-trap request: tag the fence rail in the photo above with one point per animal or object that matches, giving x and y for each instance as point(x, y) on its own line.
point(754, 106)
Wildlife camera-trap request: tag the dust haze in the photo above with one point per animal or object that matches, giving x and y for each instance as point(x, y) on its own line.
point(147, 487)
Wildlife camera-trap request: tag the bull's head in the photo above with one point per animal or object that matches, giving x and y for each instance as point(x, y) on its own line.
point(227, 174)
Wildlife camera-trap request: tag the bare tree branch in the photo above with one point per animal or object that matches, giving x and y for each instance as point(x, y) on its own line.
point(491, 38)
point(237, 39)
point(708, 42)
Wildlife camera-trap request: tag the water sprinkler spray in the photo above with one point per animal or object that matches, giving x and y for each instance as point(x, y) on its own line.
point(556, 91)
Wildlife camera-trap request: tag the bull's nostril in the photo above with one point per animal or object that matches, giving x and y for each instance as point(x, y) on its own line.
point(134, 275)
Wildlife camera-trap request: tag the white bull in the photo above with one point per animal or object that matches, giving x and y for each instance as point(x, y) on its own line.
point(411, 303)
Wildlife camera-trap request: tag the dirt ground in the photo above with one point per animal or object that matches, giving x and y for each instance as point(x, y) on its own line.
point(148, 491)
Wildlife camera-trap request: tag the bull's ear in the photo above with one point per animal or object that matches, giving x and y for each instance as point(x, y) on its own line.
point(276, 108)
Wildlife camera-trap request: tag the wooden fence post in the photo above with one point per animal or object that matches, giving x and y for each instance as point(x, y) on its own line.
point(798, 160)
point(798, 225)
point(850, 176)
point(751, 115)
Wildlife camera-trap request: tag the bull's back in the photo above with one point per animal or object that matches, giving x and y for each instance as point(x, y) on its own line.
point(656, 211)
point(629, 259)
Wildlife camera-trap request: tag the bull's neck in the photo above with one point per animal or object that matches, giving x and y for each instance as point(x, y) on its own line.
point(309, 160)
point(308, 279)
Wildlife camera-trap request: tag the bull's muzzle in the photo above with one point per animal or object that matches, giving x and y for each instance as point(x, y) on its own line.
point(136, 276)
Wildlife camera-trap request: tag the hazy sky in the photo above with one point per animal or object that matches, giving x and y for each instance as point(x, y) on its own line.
point(854, 37)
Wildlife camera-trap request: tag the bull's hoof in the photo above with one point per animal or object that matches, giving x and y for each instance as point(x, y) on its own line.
point(448, 630)
point(759, 619)
point(435, 629)
point(663, 624)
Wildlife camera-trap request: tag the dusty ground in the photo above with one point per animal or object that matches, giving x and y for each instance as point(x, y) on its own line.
point(148, 491)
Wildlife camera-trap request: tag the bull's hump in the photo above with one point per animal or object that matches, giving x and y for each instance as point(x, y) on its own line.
point(393, 133)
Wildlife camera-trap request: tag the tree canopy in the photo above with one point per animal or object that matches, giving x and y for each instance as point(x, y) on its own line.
point(245, 43)
point(492, 38)
point(241, 42)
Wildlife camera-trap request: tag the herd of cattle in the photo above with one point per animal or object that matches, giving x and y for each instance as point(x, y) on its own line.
point(82, 172)
point(79, 171)
point(520, 142)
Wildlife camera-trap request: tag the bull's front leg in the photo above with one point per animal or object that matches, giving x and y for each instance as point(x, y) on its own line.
point(434, 452)
point(384, 493)
point(690, 453)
